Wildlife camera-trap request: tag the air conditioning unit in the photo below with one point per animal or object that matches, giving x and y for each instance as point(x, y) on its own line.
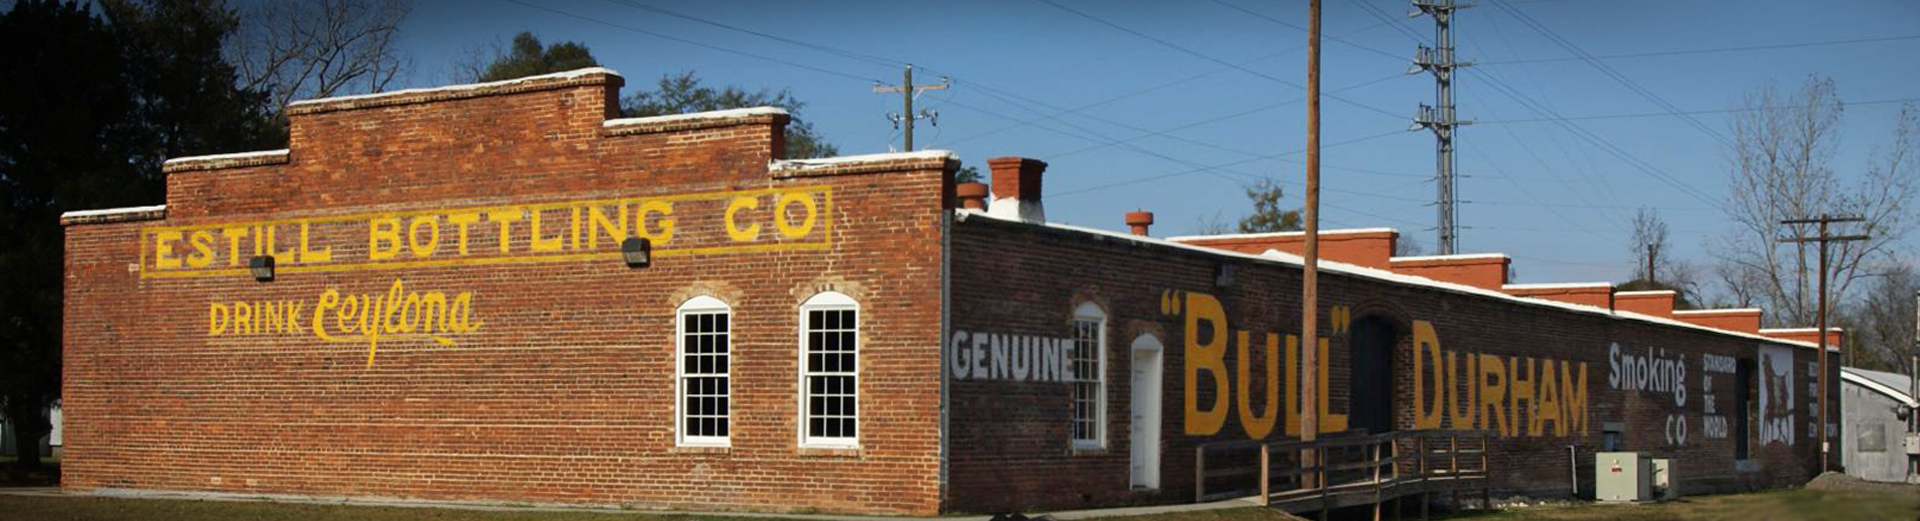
point(1622, 477)
point(1912, 444)
point(1666, 485)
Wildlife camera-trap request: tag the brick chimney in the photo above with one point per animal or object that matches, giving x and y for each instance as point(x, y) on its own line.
point(973, 196)
point(1016, 188)
point(1139, 221)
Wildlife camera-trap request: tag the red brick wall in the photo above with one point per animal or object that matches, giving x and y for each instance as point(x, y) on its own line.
point(1370, 248)
point(1486, 272)
point(1600, 296)
point(564, 390)
point(1010, 446)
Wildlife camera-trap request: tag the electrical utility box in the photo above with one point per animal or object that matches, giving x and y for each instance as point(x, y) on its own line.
point(1666, 485)
point(1622, 476)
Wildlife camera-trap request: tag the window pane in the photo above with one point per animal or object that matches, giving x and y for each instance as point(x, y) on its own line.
point(704, 397)
point(830, 363)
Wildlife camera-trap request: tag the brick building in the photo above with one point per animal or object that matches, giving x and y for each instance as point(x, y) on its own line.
point(451, 314)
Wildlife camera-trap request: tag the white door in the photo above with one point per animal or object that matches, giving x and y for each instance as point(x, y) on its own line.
point(1145, 470)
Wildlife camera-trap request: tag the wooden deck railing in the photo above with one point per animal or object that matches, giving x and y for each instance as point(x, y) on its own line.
point(1346, 469)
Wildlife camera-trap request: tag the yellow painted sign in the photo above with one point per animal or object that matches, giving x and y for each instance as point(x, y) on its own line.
point(1206, 355)
point(777, 219)
point(1512, 396)
point(397, 315)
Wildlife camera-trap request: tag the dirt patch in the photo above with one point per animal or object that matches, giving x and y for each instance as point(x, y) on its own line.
point(1838, 481)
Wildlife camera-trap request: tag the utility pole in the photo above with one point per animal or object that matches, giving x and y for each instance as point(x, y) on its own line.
point(908, 91)
point(1310, 268)
point(1820, 321)
point(1439, 117)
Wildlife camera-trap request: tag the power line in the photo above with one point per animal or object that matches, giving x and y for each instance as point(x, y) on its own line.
point(695, 43)
point(1571, 127)
point(878, 60)
point(1668, 114)
point(1154, 88)
point(1607, 70)
point(844, 53)
point(1206, 57)
point(1220, 165)
point(1743, 48)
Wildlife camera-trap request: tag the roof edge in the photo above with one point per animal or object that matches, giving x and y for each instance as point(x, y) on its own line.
point(861, 164)
point(1327, 266)
point(1848, 374)
point(586, 76)
point(114, 215)
point(1268, 235)
point(692, 120)
point(233, 160)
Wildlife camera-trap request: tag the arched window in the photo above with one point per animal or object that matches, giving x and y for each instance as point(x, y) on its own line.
point(703, 346)
point(1088, 362)
point(829, 371)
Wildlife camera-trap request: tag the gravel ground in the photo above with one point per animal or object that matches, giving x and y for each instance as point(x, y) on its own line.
point(1838, 481)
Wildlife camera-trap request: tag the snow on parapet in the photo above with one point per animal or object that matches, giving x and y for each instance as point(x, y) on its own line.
point(1558, 285)
point(1326, 266)
point(561, 76)
point(1323, 233)
point(842, 162)
point(697, 116)
point(114, 215)
point(1728, 311)
point(113, 211)
point(261, 154)
point(1461, 256)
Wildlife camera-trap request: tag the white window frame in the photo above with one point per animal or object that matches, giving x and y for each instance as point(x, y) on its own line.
point(1090, 312)
point(828, 301)
point(699, 305)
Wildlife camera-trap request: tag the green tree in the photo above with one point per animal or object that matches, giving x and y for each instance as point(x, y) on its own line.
point(1267, 215)
point(683, 93)
point(968, 174)
point(526, 57)
point(93, 103)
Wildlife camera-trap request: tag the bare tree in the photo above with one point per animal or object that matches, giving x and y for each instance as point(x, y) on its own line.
point(1880, 324)
point(1649, 242)
point(300, 50)
point(1408, 246)
point(1783, 144)
point(472, 62)
point(1215, 224)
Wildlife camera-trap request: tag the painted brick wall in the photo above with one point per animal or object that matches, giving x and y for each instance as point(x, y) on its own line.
point(564, 390)
point(1010, 447)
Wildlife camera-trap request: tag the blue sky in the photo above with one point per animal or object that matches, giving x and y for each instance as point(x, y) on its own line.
point(1127, 122)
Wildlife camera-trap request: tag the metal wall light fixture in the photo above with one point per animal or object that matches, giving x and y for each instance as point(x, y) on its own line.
point(262, 267)
point(638, 252)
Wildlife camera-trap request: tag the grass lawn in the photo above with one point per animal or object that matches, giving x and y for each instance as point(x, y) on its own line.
point(117, 509)
point(1769, 506)
point(1785, 505)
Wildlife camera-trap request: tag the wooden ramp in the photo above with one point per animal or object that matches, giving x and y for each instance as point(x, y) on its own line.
point(1347, 470)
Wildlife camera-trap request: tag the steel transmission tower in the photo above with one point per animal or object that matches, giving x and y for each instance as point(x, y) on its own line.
point(1439, 117)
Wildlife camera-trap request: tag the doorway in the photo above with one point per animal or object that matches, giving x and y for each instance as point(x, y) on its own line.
point(1370, 393)
point(1146, 390)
